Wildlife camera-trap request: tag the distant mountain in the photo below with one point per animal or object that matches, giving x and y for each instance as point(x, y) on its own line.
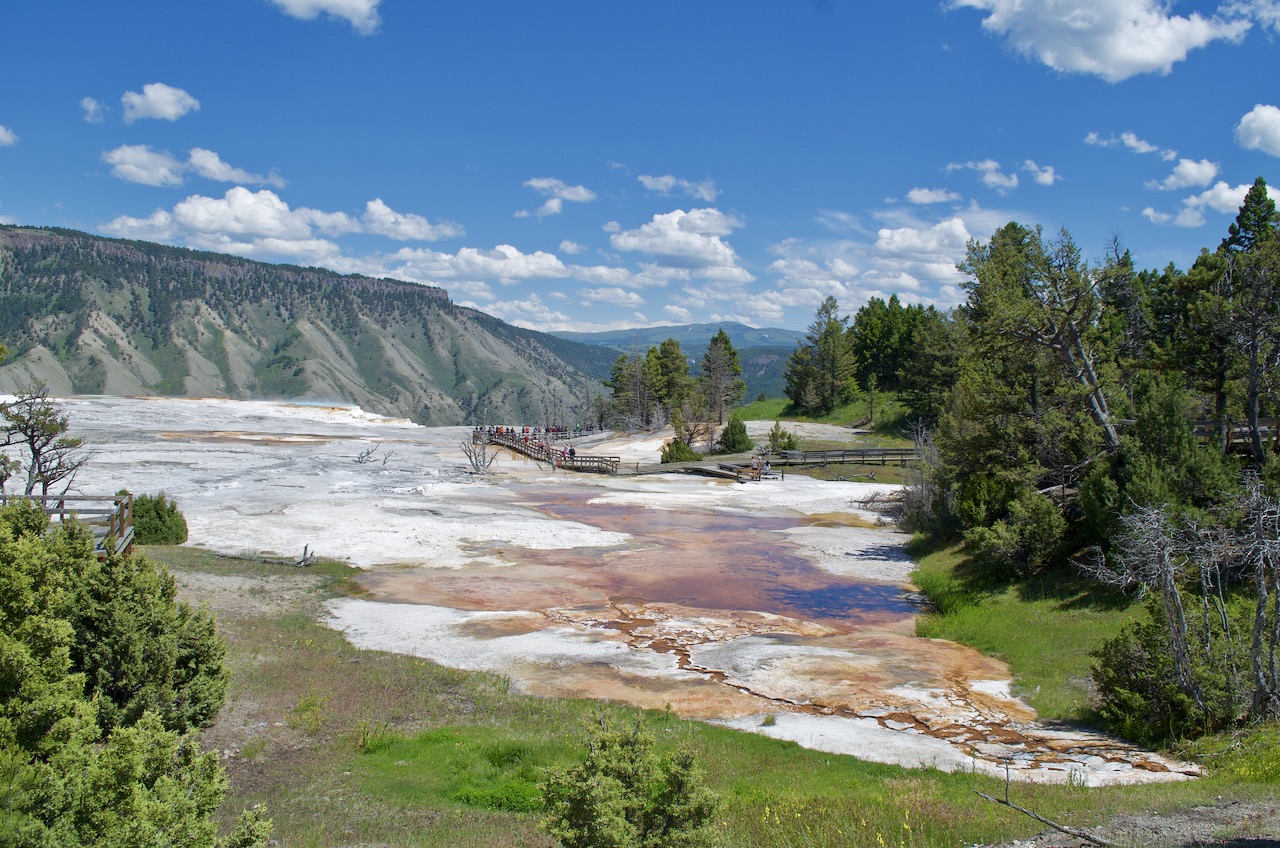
point(90, 315)
point(762, 352)
point(693, 338)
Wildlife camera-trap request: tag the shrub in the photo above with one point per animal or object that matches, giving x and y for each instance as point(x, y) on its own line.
point(23, 517)
point(781, 439)
point(677, 451)
point(734, 438)
point(625, 794)
point(1023, 541)
point(1138, 693)
point(157, 521)
point(106, 675)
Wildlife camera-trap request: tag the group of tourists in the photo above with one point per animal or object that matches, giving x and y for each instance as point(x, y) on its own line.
point(536, 439)
point(552, 432)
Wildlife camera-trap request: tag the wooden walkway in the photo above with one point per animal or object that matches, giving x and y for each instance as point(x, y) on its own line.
point(108, 517)
point(555, 456)
point(863, 456)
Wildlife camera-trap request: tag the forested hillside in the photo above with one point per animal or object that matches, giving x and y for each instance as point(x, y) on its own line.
point(762, 352)
point(1093, 418)
point(93, 315)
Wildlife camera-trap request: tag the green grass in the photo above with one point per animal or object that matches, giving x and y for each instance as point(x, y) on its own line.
point(889, 422)
point(1044, 628)
point(347, 746)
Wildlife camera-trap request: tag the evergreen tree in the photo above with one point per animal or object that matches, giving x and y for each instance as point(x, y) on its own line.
point(624, 794)
point(667, 372)
point(105, 677)
point(721, 376)
point(1256, 222)
point(819, 371)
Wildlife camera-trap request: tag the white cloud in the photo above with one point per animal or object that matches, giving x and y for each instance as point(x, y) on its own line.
point(241, 212)
point(138, 163)
point(93, 113)
point(666, 184)
point(1265, 12)
point(361, 14)
point(992, 176)
point(677, 314)
point(556, 192)
point(1112, 39)
point(1130, 141)
point(689, 240)
point(529, 312)
point(571, 247)
point(1187, 173)
point(1260, 130)
point(925, 196)
point(612, 296)
point(260, 225)
point(209, 165)
point(158, 226)
point(1045, 176)
point(157, 100)
point(7, 137)
point(1221, 198)
point(503, 264)
point(922, 253)
point(381, 219)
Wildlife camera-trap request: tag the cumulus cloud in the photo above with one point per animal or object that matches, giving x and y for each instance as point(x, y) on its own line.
point(7, 137)
point(691, 240)
point(262, 225)
point(991, 174)
point(209, 165)
point(922, 253)
point(1187, 173)
point(1265, 12)
point(361, 14)
point(556, 192)
point(241, 212)
point(157, 100)
point(1112, 39)
point(381, 219)
point(93, 112)
point(925, 196)
point(1045, 176)
point(138, 163)
point(571, 247)
point(1221, 197)
point(1260, 130)
point(611, 296)
point(667, 184)
point(677, 314)
point(1130, 141)
point(912, 257)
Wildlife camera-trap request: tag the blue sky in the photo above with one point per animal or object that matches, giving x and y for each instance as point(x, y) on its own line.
point(597, 165)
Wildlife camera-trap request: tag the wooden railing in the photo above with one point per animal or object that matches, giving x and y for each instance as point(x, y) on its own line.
point(528, 446)
point(864, 456)
point(108, 517)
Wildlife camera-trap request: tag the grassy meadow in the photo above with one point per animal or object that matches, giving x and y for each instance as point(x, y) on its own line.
point(355, 747)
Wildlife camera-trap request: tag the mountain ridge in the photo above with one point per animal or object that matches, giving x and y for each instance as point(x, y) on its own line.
point(92, 315)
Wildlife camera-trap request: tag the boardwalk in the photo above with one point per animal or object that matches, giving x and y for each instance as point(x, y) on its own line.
point(108, 517)
point(862, 456)
point(527, 445)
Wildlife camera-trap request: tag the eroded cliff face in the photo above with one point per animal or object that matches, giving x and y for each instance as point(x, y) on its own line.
point(88, 315)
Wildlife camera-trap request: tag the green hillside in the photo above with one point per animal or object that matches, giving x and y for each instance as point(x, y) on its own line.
point(91, 315)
